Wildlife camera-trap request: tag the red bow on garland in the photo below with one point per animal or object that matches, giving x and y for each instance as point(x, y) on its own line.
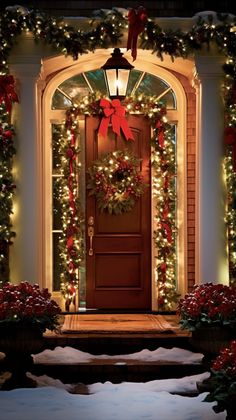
point(160, 133)
point(114, 113)
point(137, 19)
point(168, 231)
point(7, 92)
point(230, 140)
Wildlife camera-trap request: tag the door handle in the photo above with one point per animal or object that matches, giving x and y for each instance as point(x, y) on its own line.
point(90, 234)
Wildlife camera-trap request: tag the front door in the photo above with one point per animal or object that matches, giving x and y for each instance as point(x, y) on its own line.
point(118, 273)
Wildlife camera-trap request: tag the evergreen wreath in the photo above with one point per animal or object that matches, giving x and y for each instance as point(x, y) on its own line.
point(116, 182)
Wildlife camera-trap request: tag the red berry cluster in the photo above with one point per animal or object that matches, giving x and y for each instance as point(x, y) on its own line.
point(27, 303)
point(209, 302)
point(226, 361)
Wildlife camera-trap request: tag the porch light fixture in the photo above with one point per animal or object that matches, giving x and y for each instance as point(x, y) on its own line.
point(117, 70)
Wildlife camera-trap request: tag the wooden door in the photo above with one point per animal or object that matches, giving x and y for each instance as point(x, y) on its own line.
point(118, 274)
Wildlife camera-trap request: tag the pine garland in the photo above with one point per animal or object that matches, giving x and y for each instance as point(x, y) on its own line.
point(164, 193)
point(7, 186)
point(230, 133)
point(71, 240)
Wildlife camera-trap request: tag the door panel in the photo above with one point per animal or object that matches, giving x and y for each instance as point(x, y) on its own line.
point(126, 273)
point(119, 271)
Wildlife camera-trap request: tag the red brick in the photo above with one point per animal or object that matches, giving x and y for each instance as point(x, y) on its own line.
point(191, 148)
point(191, 165)
point(191, 158)
point(190, 209)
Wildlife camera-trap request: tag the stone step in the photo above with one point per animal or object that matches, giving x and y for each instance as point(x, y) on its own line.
point(117, 344)
point(116, 372)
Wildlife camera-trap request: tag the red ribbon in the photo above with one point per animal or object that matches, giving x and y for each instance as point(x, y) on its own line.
point(160, 134)
point(7, 92)
point(166, 211)
point(230, 140)
point(163, 267)
point(166, 182)
point(137, 19)
point(114, 113)
point(168, 231)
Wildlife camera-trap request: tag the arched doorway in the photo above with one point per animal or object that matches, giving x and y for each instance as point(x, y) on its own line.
point(76, 80)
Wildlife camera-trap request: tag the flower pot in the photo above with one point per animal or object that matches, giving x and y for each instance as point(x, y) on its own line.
point(18, 342)
point(211, 339)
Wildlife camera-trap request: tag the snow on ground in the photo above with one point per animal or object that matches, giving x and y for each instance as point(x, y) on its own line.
point(188, 384)
point(69, 355)
point(107, 401)
point(113, 403)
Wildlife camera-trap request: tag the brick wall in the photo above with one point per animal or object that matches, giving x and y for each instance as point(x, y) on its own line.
point(191, 168)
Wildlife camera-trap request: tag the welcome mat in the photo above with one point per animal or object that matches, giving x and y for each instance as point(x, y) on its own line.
point(116, 323)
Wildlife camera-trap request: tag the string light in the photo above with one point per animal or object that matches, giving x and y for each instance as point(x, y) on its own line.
point(71, 240)
point(106, 33)
point(164, 195)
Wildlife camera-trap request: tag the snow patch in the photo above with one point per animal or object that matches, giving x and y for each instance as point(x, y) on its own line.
point(110, 404)
point(69, 355)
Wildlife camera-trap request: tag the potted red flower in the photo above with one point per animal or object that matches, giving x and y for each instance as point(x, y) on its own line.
point(222, 383)
point(25, 304)
point(209, 311)
point(25, 313)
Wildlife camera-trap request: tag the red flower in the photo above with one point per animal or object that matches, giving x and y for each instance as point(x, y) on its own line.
point(7, 91)
point(8, 134)
point(226, 361)
point(210, 304)
point(26, 303)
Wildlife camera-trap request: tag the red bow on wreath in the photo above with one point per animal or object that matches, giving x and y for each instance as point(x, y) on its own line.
point(230, 140)
point(7, 92)
point(114, 113)
point(137, 19)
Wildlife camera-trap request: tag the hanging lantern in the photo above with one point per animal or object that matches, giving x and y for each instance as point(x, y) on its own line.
point(117, 71)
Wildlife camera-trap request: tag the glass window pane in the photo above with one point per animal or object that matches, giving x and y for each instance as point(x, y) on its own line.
point(56, 262)
point(154, 86)
point(57, 211)
point(133, 78)
point(80, 85)
point(169, 99)
point(56, 160)
point(97, 81)
point(75, 87)
point(59, 101)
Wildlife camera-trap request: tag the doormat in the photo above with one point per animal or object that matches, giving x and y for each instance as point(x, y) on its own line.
point(116, 323)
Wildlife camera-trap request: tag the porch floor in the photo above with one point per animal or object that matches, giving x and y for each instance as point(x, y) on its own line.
point(119, 334)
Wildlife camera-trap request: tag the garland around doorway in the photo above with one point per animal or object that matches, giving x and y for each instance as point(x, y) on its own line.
point(106, 31)
point(163, 191)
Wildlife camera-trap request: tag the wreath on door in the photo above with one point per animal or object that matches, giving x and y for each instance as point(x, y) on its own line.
point(116, 182)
